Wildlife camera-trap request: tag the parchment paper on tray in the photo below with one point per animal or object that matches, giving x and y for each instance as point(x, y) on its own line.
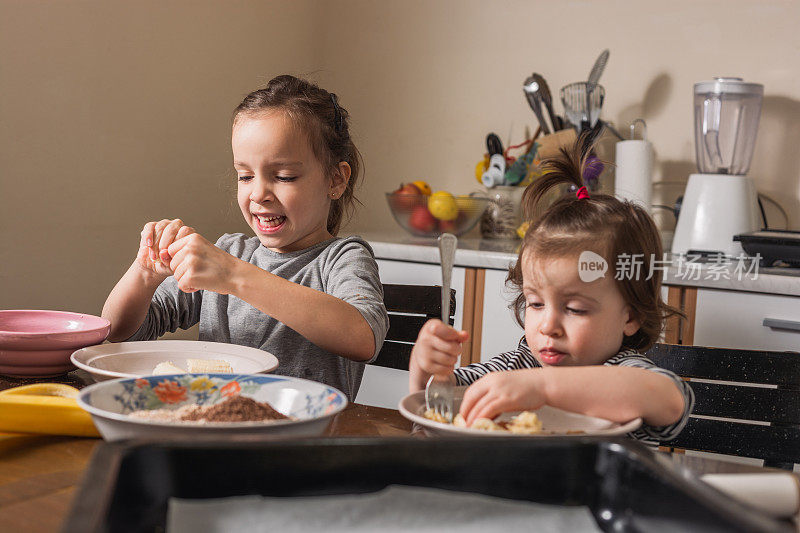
point(393, 509)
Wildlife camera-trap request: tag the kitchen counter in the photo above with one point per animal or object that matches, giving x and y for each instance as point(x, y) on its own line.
point(500, 254)
point(472, 252)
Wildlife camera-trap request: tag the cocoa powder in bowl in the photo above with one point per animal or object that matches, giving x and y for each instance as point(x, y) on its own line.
point(236, 409)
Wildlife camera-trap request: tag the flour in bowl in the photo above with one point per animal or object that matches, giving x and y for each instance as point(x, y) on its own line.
point(233, 409)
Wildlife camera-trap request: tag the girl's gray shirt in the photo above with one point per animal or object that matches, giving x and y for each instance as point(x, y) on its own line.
point(342, 267)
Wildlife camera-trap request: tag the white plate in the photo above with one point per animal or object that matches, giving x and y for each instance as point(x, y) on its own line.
point(138, 359)
point(555, 422)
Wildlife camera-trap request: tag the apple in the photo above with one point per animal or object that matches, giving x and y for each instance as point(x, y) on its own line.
point(422, 220)
point(405, 197)
point(447, 226)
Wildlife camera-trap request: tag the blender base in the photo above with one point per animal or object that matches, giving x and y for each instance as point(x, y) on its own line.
point(715, 208)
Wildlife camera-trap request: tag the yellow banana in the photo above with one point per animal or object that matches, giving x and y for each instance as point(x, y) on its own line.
point(45, 408)
point(43, 389)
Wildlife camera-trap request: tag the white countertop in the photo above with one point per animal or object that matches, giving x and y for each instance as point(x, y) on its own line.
point(471, 252)
point(779, 281)
point(500, 254)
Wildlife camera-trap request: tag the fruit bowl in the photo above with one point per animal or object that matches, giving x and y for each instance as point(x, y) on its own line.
point(431, 215)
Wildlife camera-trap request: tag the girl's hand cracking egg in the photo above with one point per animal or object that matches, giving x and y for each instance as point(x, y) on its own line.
point(197, 264)
point(155, 239)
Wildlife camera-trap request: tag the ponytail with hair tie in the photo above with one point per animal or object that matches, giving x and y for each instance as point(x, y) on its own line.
point(570, 167)
point(602, 223)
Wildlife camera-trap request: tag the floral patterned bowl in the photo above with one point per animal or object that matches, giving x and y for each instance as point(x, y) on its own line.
point(311, 404)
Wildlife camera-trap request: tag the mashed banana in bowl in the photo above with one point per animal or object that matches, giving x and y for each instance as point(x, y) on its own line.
point(217, 366)
point(525, 423)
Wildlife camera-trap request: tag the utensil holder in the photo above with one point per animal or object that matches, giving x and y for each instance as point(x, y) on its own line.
point(551, 145)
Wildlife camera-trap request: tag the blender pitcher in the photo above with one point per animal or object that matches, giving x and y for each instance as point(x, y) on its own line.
point(726, 114)
point(720, 201)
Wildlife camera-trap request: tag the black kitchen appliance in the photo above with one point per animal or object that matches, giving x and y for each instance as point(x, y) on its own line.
point(773, 245)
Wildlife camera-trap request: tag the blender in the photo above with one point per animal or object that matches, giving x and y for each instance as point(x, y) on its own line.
point(721, 201)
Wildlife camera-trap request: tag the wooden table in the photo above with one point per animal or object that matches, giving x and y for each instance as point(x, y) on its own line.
point(39, 475)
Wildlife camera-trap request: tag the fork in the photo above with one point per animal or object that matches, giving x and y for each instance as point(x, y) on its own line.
point(439, 391)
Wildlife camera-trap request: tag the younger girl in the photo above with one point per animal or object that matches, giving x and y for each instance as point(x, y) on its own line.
point(294, 289)
point(583, 333)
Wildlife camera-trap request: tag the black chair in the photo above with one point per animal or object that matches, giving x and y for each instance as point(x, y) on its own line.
point(766, 421)
point(409, 307)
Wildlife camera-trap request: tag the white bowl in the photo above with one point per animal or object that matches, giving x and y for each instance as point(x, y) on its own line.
point(555, 422)
point(110, 403)
point(138, 359)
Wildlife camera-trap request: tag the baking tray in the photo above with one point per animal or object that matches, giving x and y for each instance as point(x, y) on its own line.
point(626, 486)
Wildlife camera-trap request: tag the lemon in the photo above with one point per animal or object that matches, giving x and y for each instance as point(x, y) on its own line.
point(443, 206)
point(423, 187)
point(523, 229)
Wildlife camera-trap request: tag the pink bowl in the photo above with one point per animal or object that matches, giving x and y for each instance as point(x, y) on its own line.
point(38, 343)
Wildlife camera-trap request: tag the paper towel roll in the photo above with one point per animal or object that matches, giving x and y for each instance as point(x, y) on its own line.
point(634, 172)
point(777, 494)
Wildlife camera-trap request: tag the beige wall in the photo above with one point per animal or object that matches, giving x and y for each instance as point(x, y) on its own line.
point(112, 114)
point(427, 80)
point(116, 113)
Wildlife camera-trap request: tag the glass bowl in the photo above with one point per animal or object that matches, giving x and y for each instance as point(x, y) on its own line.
point(459, 214)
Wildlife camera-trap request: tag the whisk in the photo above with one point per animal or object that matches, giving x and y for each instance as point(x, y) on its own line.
point(576, 97)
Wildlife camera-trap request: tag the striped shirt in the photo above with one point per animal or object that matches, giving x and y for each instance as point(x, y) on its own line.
point(523, 358)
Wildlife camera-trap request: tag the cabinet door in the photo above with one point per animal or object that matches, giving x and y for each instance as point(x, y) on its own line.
point(730, 319)
point(500, 331)
point(385, 387)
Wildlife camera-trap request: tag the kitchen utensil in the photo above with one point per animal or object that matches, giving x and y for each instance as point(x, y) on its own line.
point(578, 107)
point(721, 201)
point(439, 390)
point(533, 94)
point(547, 100)
point(594, 77)
point(497, 162)
point(310, 404)
point(612, 129)
point(38, 343)
point(555, 422)
point(494, 145)
point(136, 359)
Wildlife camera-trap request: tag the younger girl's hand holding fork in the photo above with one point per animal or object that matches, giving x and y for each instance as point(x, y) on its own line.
point(436, 352)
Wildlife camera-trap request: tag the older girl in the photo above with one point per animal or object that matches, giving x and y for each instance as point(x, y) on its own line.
point(294, 289)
